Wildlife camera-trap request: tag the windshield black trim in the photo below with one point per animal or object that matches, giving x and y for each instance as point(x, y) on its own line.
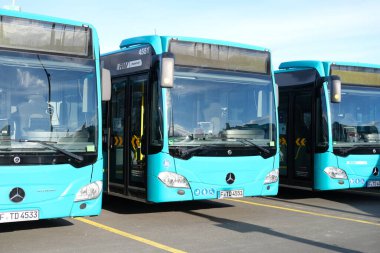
point(44, 158)
point(213, 150)
point(357, 150)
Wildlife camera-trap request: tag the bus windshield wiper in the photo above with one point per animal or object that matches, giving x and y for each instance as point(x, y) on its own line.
point(50, 146)
point(251, 143)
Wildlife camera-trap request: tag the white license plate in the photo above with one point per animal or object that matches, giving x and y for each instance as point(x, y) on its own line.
point(373, 183)
point(231, 194)
point(16, 216)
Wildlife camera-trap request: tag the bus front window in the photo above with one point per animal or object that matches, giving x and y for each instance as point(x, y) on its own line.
point(220, 108)
point(357, 118)
point(50, 99)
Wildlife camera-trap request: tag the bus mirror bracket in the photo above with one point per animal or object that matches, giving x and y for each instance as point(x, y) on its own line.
point(336, 89)
point(277, 90)
point(106, 85)
point(167, 70)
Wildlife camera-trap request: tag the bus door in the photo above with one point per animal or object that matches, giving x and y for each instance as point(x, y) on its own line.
point(295, 122)
point(127, 162)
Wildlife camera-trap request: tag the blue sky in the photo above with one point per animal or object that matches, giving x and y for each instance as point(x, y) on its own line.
point(338, 30)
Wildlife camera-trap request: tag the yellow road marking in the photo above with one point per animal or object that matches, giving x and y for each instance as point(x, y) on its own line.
point(305, 212)
point(130, 236)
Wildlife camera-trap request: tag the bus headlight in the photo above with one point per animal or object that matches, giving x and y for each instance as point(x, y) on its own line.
point(174, 180)
point(272, 177)
point(90, 191)
point(335, 173)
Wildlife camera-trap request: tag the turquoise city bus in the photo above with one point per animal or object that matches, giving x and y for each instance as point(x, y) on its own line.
point(51, 162)
point(190, 119)
point(329, 123)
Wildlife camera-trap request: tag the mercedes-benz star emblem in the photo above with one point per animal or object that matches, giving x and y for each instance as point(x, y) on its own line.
point(230, 178)
point(16, 160)
point(17, 195)
point(375, 171)
point(374, 151)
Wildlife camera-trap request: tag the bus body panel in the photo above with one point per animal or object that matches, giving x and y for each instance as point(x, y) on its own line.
point(207, 176)
point(49, 189)
point(321, 180)
point(359, 169)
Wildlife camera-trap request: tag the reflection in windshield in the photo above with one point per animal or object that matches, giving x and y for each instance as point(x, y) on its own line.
point(357, 117)
point(49, 99)
point(219, 107)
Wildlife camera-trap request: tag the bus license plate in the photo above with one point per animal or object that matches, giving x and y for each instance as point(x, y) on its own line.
point(19, 216)
point(231, 194)
point(373, 183)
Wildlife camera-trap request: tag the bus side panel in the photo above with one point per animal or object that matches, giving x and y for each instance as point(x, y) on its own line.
point(49, 189)
point(207, 177)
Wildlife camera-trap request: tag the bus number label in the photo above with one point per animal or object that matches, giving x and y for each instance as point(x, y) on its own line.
point(144, 51)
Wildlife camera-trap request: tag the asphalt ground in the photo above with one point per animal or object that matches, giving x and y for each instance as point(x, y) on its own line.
point(293, 221)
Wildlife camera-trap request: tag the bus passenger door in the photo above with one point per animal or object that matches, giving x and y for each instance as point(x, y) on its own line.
point(127, 161)
point(137, 141)
point(117, 118)
point(295, 123)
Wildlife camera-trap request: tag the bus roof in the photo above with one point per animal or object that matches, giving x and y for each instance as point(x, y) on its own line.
point(323, 67)
point(160, 44)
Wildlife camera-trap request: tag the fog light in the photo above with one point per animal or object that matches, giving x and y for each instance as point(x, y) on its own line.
point(181, 192)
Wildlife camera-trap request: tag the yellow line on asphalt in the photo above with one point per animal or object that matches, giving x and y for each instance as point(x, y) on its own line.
point(305, 212)
point(130, 236)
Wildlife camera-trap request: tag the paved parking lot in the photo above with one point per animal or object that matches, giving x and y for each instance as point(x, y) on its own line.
point(294, 221)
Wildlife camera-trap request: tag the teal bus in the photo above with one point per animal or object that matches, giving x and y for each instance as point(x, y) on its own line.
point(51, 162)
point(190, 119)
point(329, 124)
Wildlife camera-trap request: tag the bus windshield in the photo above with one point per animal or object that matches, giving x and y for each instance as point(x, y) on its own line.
point(220, 108)
point(357, 118)
point(47, 99)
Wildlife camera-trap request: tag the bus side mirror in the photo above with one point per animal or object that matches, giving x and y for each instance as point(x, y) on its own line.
point(336, 89)
point(167, 70)
point(106, 85)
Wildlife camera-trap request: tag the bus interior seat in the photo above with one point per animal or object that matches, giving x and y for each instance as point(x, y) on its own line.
point(33, 114)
